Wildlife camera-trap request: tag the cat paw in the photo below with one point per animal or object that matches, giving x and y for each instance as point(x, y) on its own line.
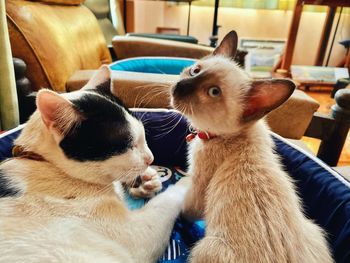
point(150, 184)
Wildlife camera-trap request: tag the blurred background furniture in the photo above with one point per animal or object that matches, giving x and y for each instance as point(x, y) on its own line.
point(55, 38)
point(168, 30)
point(293, 30)
point(108, 14)
point(66, 56)
point(346, 61)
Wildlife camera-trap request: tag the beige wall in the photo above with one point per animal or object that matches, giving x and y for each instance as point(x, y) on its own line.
point(148, 15)
point(247, 23)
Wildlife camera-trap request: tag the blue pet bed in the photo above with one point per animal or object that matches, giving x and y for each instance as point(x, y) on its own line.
point(156, 65)
point(325, 194)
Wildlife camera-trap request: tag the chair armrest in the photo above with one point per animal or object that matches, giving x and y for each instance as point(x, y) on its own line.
point(292, 118)
point(332, 129)
point(128, 46)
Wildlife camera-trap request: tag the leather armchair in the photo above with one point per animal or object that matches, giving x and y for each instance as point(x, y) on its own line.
point(55, 38)
point(102, 11)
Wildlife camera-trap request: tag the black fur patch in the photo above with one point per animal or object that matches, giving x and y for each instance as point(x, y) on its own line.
point(188, 86)
point(104, 89)
point(6, 189)
point(104, 132)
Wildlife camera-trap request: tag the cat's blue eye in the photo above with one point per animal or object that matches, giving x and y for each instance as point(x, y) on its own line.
point(195, 70)
point(214, 92)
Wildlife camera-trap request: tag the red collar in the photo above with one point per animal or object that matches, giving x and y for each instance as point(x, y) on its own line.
point(19, 152)
point(201, 135)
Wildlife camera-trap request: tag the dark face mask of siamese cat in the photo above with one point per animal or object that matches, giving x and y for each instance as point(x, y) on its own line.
point(218, 97)
point(88, 133)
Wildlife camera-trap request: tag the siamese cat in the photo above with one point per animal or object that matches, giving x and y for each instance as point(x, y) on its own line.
point(250, 204)
point(62, 199)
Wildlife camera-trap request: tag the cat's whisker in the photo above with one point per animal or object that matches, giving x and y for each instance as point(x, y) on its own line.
point(191, 108)
point(155, 90)
point(158, 136)
point(151, 95)
point(168, 120)
point(107, 187)
point(173, 117)
point(153, 84)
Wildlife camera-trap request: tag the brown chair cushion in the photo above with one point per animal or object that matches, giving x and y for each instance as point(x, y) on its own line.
point(55, 41)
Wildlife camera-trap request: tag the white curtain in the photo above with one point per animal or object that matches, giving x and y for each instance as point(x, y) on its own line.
point(9, 116)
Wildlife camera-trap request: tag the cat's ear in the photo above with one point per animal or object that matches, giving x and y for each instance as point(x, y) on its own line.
point(101, 79)
point(228, 46)
point(56, 112)
point(266, 95)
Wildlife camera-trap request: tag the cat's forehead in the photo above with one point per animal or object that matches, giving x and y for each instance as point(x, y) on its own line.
point(75, 95)
point(215, 63)
point(93, 103)
point(222, 70)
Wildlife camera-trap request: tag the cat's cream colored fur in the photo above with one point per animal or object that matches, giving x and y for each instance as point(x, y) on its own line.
point(69, 211)
point(250, 204)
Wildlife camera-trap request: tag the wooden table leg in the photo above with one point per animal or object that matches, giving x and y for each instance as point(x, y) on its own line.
point(321, 51)
point(292, 35)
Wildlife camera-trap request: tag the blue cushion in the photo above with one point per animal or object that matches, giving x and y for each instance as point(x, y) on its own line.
point(165, 135)
point(158, 65)
point(324, 193)
point(6, 141)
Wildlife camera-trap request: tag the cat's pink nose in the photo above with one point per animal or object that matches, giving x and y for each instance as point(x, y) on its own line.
point(149, 159)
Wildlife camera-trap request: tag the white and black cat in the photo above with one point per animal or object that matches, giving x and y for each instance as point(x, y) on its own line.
point(252, 211)
point(62, 195)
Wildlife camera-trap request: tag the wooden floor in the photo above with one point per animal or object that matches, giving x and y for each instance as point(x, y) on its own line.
point(323, 97)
